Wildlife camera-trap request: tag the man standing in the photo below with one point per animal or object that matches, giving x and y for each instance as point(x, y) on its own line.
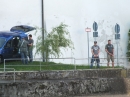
point(23, 50)
point(109, 48)
point(95, 49)
point(30, 48)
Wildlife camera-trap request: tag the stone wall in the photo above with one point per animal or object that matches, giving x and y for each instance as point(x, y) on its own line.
point(71, 74)
point(64, 83)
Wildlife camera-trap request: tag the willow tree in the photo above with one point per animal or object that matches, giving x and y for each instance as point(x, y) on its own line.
point(55, 40)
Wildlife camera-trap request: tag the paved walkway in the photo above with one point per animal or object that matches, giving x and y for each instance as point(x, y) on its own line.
point(106, 96)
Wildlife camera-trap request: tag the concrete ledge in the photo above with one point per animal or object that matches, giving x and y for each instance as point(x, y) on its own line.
point(65, 83)
point(70, 74)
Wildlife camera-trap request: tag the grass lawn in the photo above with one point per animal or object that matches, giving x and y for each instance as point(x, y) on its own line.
point(39, 66)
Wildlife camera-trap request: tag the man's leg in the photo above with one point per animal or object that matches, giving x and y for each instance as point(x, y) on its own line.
point(26, 58)
point(108, 60)
point(98, 61)
point(22, 57)
point(112, 59)
point(108, 64)
point(30, 55)
point(92, 60)
point(112, 64)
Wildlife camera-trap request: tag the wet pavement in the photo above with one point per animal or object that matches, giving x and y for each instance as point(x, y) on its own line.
point(118, 95)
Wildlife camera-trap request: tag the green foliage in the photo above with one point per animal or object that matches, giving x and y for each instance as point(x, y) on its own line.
point(56, 39)
point(128, 47)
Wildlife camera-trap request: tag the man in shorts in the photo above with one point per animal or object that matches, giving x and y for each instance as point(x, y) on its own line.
point(95, 49)
point(109, 48)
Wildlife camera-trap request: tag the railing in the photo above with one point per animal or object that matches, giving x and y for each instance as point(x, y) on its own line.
point(103, 61)
point(3, 71)
point(39, 60)
point(73, 61)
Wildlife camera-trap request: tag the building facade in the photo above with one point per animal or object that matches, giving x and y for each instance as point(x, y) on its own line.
point(78, 14)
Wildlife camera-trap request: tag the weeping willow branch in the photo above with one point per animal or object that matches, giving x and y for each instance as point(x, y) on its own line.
point(57, 38)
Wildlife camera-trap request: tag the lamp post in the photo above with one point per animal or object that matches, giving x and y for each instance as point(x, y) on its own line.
point(42, 12)
point(88, 30)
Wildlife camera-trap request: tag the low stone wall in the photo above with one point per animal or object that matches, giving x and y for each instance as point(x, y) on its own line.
point(71, 74)
point(64, 83)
